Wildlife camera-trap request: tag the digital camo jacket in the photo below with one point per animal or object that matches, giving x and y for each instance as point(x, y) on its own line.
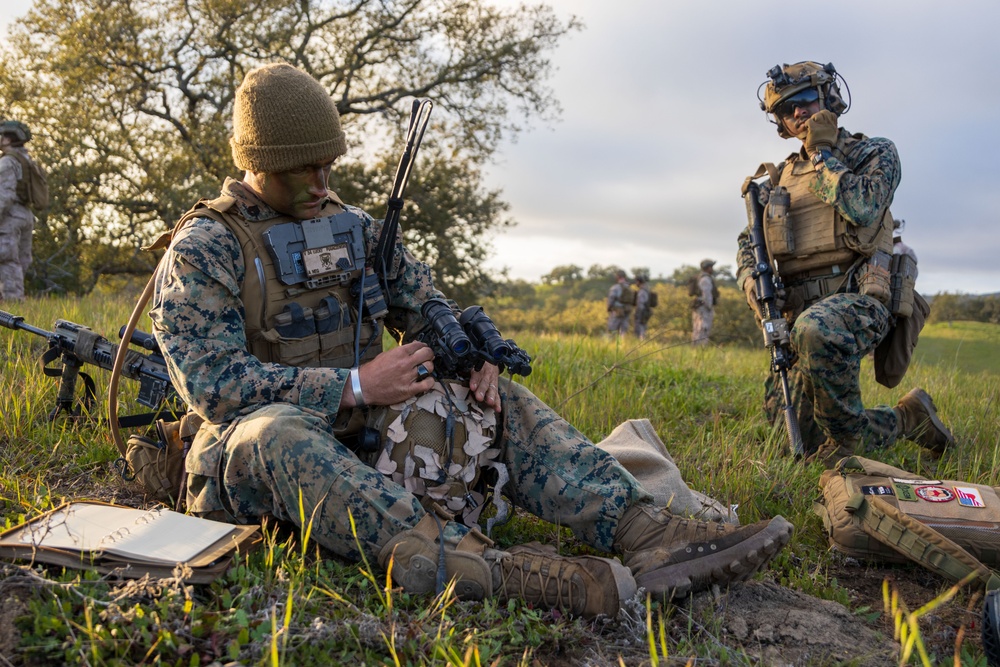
point(198, 319)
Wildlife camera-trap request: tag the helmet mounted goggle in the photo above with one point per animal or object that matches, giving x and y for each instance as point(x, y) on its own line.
point(789, 86)
point(802, 98)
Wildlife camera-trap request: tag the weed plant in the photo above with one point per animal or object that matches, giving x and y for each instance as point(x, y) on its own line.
point(290, 603)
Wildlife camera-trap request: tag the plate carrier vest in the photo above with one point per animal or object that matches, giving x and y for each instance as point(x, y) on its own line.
point(815, 246)
point(281, 288)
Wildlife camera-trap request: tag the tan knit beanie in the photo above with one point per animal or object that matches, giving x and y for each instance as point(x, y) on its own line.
point(283, 119)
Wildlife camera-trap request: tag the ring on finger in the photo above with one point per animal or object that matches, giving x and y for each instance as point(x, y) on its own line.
point(422, 372)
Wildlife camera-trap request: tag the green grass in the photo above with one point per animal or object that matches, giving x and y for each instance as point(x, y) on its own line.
point(285, 605)
point(972, 347)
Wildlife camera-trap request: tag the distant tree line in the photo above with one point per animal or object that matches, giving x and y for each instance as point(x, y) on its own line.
point(571, 299)
point(948, 307)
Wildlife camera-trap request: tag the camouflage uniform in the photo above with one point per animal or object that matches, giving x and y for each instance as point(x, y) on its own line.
point(831, 336)
point(703, 311)
point(642, 310)
point(618, 311)
point(16, 224)
point(269, 435)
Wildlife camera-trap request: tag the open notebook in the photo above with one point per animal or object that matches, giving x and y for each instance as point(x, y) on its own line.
point(96, 535)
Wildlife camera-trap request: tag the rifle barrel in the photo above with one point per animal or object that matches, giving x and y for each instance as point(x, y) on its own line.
point(16, 322)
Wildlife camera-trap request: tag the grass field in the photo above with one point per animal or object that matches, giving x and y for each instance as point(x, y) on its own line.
point(292, 605)
point(972, 347)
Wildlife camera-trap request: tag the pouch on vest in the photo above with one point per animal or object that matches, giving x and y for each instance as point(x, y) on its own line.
point(893, 354)
point(902, 279)
point(871, 510)
point(333, 324)
point(873, 278)
point(293, 338)
point(777, 225)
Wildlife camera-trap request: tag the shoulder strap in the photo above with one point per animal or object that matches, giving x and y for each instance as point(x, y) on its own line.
point(772, 170)
point(205, 208)
point(918, 542)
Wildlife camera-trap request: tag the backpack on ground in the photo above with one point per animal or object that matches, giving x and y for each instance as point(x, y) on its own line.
point(33, 186)
point(874, 511)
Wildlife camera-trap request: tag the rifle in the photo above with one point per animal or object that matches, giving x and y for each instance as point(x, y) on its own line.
point(79, 345)
point(373, 296)
point(420, 114)
point(773, 323)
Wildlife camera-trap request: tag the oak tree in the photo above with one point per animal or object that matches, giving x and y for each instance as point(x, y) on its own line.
point(130, 102)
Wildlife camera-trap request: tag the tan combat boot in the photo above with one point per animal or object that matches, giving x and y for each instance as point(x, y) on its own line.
point(672, 557)
point(918, 422)
point(582, 585)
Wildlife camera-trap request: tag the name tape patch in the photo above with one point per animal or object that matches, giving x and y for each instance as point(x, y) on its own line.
point(877, 490)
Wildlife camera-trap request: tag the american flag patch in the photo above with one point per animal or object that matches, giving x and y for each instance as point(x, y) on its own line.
point(969, 496)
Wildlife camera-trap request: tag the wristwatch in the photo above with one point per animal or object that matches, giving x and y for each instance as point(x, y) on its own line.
point(820, 157)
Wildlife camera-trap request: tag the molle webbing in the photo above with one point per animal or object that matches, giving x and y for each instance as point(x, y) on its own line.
point(264, 296)
point(917, 541)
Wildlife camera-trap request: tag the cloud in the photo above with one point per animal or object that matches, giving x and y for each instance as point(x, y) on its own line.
point(661, 125)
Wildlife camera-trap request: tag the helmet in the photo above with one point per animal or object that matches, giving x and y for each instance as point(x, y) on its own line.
point(16, 128)
point(804, 80)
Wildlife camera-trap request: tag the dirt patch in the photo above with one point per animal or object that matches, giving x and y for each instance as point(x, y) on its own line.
point(784, 627)
point(11, 608)
point(955, 622)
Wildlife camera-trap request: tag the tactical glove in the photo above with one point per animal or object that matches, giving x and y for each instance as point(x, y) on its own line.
point(750, 289)
point(821, 131)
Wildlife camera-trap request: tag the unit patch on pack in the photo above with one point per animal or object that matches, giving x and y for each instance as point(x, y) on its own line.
point(904, 491)
point(935, 494)
point(969, 496)
point(916, 482)
point(878, 490)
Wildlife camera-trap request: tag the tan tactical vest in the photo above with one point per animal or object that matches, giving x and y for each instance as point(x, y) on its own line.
point(823, 242)
point(266, 299)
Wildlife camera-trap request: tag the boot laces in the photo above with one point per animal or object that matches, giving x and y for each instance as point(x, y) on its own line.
point(541, 580)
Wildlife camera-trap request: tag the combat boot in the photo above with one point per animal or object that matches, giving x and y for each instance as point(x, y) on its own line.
point(582, 585)
point(672, 557)
point(918, 422)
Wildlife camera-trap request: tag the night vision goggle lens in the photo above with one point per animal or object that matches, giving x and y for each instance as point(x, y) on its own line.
point(800, 99)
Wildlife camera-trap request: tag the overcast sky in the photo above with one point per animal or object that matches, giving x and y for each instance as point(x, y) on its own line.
point(661, 124)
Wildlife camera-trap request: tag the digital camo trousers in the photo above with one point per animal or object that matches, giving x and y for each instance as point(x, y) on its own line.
point(15, 251)
point(830, 339)
point(701, 321)
point(281, 453)
point(618, 322)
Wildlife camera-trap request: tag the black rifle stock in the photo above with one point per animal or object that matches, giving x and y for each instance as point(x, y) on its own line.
point(79, 345)
point(773, 323)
